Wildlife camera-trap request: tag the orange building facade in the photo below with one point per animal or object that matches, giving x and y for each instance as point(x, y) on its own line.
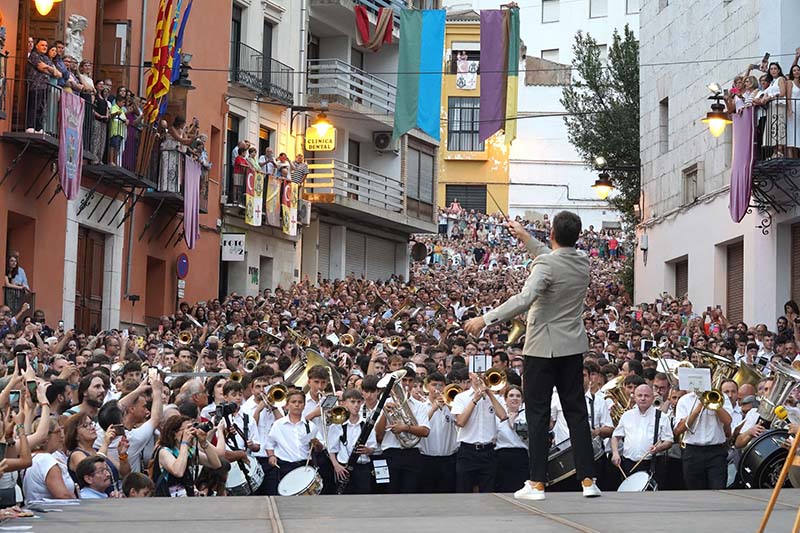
point(87, 260)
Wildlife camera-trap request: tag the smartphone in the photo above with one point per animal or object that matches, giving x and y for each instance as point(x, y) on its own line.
point(31, 384)
point(379, 347)
point(13, 398)
point(152, 373)
point(686, 340)
point(119, 429)
point(765, 58)
point(2, 450)
point(22, 362)
point(647, 345)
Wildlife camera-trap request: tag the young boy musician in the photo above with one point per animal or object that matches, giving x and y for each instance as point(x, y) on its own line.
point(291, 437)
point(343, 438)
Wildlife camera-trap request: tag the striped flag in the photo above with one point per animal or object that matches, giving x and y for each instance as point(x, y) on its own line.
point(164, 11)
point(178, 49)
point(499, 72)
point(419, 78)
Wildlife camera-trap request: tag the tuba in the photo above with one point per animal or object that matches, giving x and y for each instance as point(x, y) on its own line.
point(786, 379)
point(615, 390)
point(517, 331)
point(297, 373)
point(400, 412)
point(251, 359)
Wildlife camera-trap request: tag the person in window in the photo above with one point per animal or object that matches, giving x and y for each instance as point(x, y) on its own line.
point(39, 70)
point(51, 109)
point(173, 145)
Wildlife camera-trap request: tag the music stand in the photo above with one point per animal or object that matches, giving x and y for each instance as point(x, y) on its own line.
point(791, 460)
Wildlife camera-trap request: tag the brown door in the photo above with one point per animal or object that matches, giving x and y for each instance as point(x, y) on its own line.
point(115, 53)
point(89, 282)
point(681, 278)
point(734, 307)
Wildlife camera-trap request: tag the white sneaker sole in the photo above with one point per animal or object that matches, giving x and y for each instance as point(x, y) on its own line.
point(531, 497)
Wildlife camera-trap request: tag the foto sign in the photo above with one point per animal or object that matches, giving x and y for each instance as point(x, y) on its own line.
point(320, 143)
point(233, 246)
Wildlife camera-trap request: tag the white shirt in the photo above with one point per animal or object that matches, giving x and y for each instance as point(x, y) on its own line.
point(34, 484)
point(342, 450)
point(506, 436)
point(602, 414)
point(481, 428)
point(750, 421)
point(141, 445)
point(637, 429)
point(441, 441)
point(265, 421)
point(291, 440)
point(252, 431)
point(311, 404)
point(420, 414)
point(707, 430)
point(561, 429)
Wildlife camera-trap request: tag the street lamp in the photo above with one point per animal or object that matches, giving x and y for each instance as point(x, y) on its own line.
point(603, 186)
point(717, 118)
point(322, 124)
point(44, 6)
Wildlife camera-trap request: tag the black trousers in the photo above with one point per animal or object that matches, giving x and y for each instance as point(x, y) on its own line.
point(360, 479)
point(35, 107)
point(628, 466)
point(269, 487)
point(512, 469)
point(475, 467)
point(705, 467)
point(540, 375)
point(438, 474)
point(405, 470)
point(323, 462)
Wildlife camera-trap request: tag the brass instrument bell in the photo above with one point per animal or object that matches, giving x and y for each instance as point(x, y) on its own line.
point(495, 379)
point(450, 392)
point(337, 415)
point(251, 359)
point(185, 337)
point(276, 395)
point(518, 329)
point(236, 376)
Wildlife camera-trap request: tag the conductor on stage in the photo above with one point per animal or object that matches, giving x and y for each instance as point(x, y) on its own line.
point(553, 298)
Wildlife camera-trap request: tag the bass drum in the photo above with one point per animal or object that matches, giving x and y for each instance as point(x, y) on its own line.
point(561, 460)
point(302, 481)
point(762, 460)
point(638, 482)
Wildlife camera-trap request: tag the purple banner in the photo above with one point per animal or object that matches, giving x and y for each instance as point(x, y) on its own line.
point(742, 164)
point(494, 78)
point(191, 202)
point(70, 144)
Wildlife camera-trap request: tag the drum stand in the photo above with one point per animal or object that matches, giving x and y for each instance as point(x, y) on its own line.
point(791, 460)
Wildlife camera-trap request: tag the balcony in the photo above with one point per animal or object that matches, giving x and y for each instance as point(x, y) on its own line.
point(341, 83)
point(343, 189)
point(776, 164)
point(268, 78)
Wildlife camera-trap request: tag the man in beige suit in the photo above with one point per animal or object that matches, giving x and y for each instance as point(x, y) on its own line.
point(553, 297)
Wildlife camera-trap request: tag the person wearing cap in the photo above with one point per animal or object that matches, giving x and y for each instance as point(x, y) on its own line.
point(751, 426)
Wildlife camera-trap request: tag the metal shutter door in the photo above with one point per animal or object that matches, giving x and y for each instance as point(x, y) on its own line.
point(324, 250)
point(356, 253)
point(734, 307)
point(681, 278)
point(796, 262)
point(380, 258)
point(469, 196)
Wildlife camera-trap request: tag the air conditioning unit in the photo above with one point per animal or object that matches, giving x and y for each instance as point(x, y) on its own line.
point(304, 213)
point(384, 142)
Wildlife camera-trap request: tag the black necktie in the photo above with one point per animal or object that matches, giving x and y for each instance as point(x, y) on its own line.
point(591, 411)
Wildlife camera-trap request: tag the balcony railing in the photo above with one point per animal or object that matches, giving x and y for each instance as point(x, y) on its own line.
point(335, 79)
point(267, 77)
point(777, 130)
point(14, 298)
point(330, 178)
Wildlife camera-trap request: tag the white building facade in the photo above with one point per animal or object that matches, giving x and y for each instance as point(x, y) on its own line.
point(692, 245)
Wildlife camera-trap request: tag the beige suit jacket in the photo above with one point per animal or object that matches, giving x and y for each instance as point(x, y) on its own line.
point(553, 297)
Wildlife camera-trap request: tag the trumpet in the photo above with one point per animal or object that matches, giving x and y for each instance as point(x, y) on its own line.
point(393, 343)
point(495, 379)
point(276, 395)
point(299, 339)
point(450, 392)
point(348, 341)
point(236, 376)
point(185, 337)
point(251, 359)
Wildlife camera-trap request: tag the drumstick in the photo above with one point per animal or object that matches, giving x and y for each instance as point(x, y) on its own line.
point(624, 475)
point(640, 461)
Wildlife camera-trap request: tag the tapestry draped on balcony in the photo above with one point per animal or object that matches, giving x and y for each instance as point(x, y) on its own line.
point(742, 164)
point(70, 144)
point(191, 202)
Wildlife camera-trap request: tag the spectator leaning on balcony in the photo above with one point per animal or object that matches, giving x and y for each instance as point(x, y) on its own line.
point(299, 169)
point(775, 133)
point(792, 97)
point(51, 107)
point(15, 283)
point(100, 124)
point(117, 127)
point(240, 165)
point(172, 147)
point(39, 70)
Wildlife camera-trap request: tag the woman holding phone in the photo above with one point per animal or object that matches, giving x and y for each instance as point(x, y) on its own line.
point(80, 433)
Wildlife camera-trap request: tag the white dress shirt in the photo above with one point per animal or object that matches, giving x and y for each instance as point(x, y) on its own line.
point(506, 436)
point(481, 428)
point(602, 414)
point(441, 441)
point(344, 449)
point(291, 441)
point(750, 421)
point(561, 429)
point(637, 430)
point(264, 424)
point(707, 430)
point(420, 414)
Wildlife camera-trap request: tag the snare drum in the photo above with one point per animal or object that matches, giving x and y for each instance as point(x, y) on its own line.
point(561, 460)
point(302, 481)
point(638, 482)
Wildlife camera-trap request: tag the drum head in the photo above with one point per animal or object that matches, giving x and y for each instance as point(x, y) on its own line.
point(297, 481)
point(635, 482)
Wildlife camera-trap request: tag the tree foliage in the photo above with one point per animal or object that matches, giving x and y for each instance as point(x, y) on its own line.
point(602, 106)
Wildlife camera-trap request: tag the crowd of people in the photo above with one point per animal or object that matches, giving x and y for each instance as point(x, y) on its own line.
point(236, 396)
point(245, 156)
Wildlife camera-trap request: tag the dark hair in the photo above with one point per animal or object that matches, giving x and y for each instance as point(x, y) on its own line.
point(793, 305)
point(169, 431)
point(138, 482)
point(318, 372)
point(71, 430)
point(435, 377)
point(12, 272)
point(566, 228)
point(232, 386)
point(109, 414)
point(769, 75)
point(210, 386)
point(87, 468)
point(38, 40)
point(87, 381)
point(59, 42)
point(352, 394)
point(178, 121)
point(635, 367)
point(369, 383)
point(634, 380)
point(649, 374)
point(57, 386)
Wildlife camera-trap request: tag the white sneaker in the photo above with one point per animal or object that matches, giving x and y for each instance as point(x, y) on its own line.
point(28, 130)
point(590, 489)
point(528, 492)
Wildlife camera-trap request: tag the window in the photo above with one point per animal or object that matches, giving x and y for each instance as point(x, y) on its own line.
point(603, 49)
point(663, 125)
point(550, 11)
point(469, 196)
point(598, 8)
point(681, 278)
point(463, 120)
point(550, 55)
point(419, 177)
point(632, 6)
point(472, 55)
point(692, 183)
point(734, 291)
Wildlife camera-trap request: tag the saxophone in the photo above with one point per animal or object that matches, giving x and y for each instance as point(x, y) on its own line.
point(400, 413)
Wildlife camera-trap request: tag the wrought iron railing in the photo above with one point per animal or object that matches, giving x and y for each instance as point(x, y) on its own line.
point(330, 178)
point(777, 134)
point(266, 76)
point(279, 81)
point(14, 298)
point(334, 78)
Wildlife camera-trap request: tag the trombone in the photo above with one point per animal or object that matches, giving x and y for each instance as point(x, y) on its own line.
point(450, 392)
point(276, 395)
point(299, 339)
point(185, 337)
point(251, 359)
point(495, 379)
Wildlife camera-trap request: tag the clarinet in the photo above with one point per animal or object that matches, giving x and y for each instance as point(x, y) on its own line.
point(363, 436)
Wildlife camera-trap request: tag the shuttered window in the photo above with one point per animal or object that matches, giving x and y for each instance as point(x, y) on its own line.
point(734, 306)
point(796, 262)
point(324, 250)
point(356, 253)
point(380, 258)
point(681, 278)
point(469, 196)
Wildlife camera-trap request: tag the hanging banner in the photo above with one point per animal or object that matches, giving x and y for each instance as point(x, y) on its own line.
point(467, 75)
point(288, 199)
point(272, 203)
point(254, 197)
point(293, 210)
point(70, 145)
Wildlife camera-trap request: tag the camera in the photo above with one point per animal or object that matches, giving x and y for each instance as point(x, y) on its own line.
point(203, 426)
point(225, 409)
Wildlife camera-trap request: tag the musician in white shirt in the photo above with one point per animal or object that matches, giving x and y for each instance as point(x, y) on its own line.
point(291, 437)
point(318, 381)
point(241, 439)
point(646, 433)
point(705, 433)
point(342, 441)
point(264, 415)
point(510, 448)
point(439, 447)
